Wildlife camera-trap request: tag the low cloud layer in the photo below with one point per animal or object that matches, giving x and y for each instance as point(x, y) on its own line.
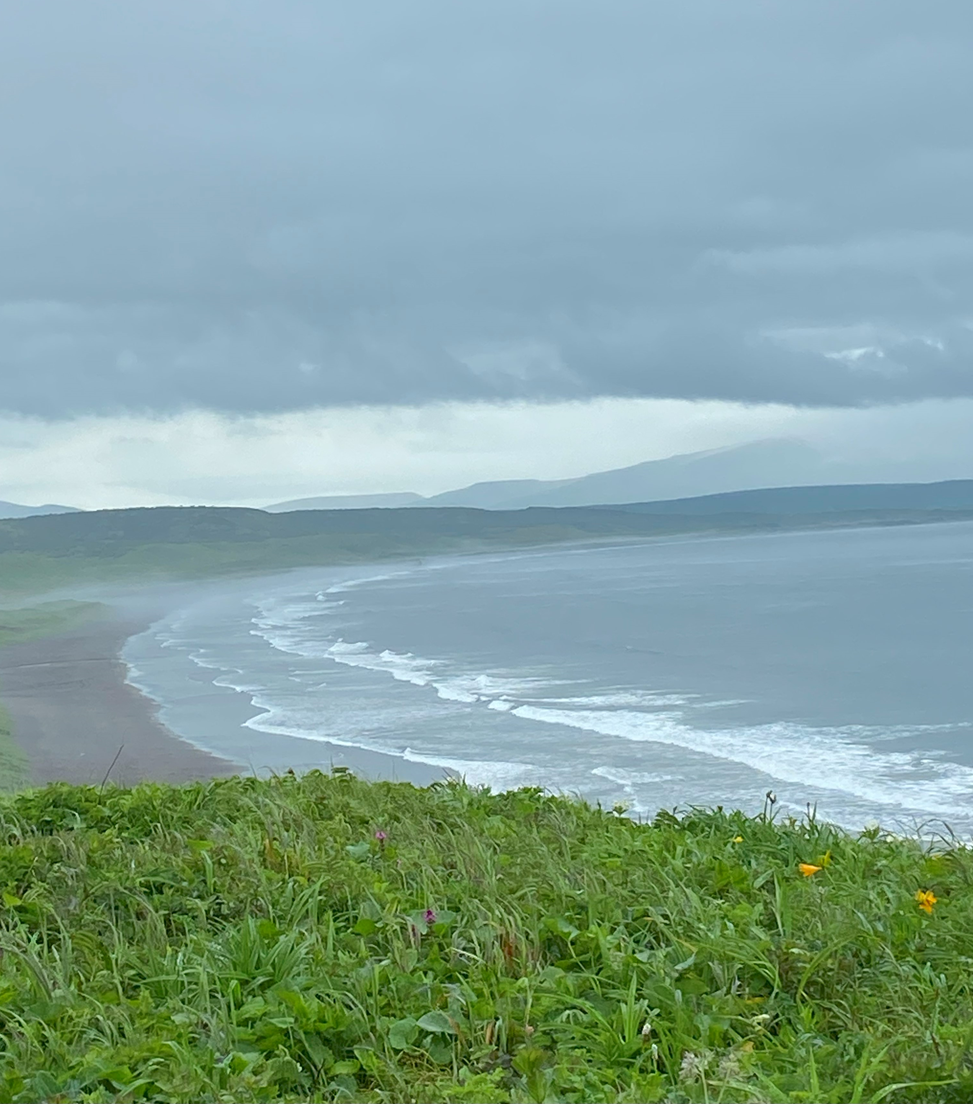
point(257, 208)
point(203, 457)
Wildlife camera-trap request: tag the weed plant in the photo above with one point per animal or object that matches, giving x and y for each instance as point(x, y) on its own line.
point(322, 938)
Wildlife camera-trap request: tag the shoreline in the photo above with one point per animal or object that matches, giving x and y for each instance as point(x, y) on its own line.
point(73, 711)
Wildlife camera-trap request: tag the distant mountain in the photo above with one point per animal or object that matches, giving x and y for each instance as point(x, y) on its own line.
point(952, 495)
point(349, 535)
point(773, 463)
point(346, 502)
point(169, 542)
point(497, 495)
point(14, 510)
point(769, 463)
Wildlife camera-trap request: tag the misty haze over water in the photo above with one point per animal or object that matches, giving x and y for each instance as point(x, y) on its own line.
point(830, 667)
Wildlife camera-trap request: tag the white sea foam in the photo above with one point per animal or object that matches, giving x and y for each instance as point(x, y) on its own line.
point(342, 647)
point(650, 699)
point(449, 684)
point(631, 781)
point(841, 761)
point(825, 759)
point(498, 775)
point(281, 624)
point(235, 680)
point(630, 778)
point(853, 764)
point(352, 584)
point(404, 668)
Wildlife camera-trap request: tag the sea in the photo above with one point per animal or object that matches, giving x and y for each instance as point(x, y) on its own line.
point(831, 669)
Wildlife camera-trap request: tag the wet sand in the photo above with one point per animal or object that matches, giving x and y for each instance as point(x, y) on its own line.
point(73, 713)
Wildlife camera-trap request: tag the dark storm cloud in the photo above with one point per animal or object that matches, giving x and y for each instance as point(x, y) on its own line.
point(255, 206)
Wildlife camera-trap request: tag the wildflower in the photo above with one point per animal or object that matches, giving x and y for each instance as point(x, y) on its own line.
point(729, 1067)
point(692, 1066)
point(738, 839)
point(381, 837)
point(646, 1030)
point(807, 869)
point(429, 916)
point(926, 899)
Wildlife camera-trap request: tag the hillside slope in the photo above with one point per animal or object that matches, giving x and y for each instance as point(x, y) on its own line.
point(17, 510)
point(954, 494)
point(39, 554)
point(320, 938)
point(756, 464)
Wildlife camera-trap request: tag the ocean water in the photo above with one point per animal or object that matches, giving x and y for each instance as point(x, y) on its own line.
point(833, 668)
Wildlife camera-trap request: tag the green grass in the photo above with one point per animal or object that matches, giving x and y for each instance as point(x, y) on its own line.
point(125, 547)
point(14, 773)
point(249, 940)
point(45, 619)
point(26, 574)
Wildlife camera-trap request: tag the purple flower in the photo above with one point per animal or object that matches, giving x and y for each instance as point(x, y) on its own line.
point(381, 836)
point(429, 916)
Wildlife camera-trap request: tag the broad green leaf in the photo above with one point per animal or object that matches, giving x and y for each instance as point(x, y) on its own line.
point(439, 1051)
point(438, 1023)
point(403, 1033)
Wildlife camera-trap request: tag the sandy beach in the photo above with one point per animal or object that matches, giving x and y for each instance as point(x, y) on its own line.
point(72, 710)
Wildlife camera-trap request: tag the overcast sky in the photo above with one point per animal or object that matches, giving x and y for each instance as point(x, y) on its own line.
point(240, 211)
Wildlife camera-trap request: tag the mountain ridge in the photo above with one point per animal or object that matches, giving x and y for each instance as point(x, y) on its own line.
point(754, 464)
point(18, 510)
point(808, 501)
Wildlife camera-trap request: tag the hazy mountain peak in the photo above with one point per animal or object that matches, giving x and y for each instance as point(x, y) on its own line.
point(16, 510)
point(346, 502)
point(771, 462)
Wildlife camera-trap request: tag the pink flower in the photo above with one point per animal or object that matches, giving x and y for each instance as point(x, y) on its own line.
point(430, 917)
point(381, 837)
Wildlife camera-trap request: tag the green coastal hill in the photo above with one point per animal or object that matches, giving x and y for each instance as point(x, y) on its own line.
point(950, 495)
point(326, 939)
point(60, 550)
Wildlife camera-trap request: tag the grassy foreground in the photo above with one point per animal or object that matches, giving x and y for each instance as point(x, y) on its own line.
point(14, 769)
point(326, 939)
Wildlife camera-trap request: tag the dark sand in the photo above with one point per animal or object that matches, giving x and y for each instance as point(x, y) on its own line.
point(72, 710)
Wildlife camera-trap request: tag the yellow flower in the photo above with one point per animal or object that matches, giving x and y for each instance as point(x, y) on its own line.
point(807, 869)
point(926, 899)
point(738, 839)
